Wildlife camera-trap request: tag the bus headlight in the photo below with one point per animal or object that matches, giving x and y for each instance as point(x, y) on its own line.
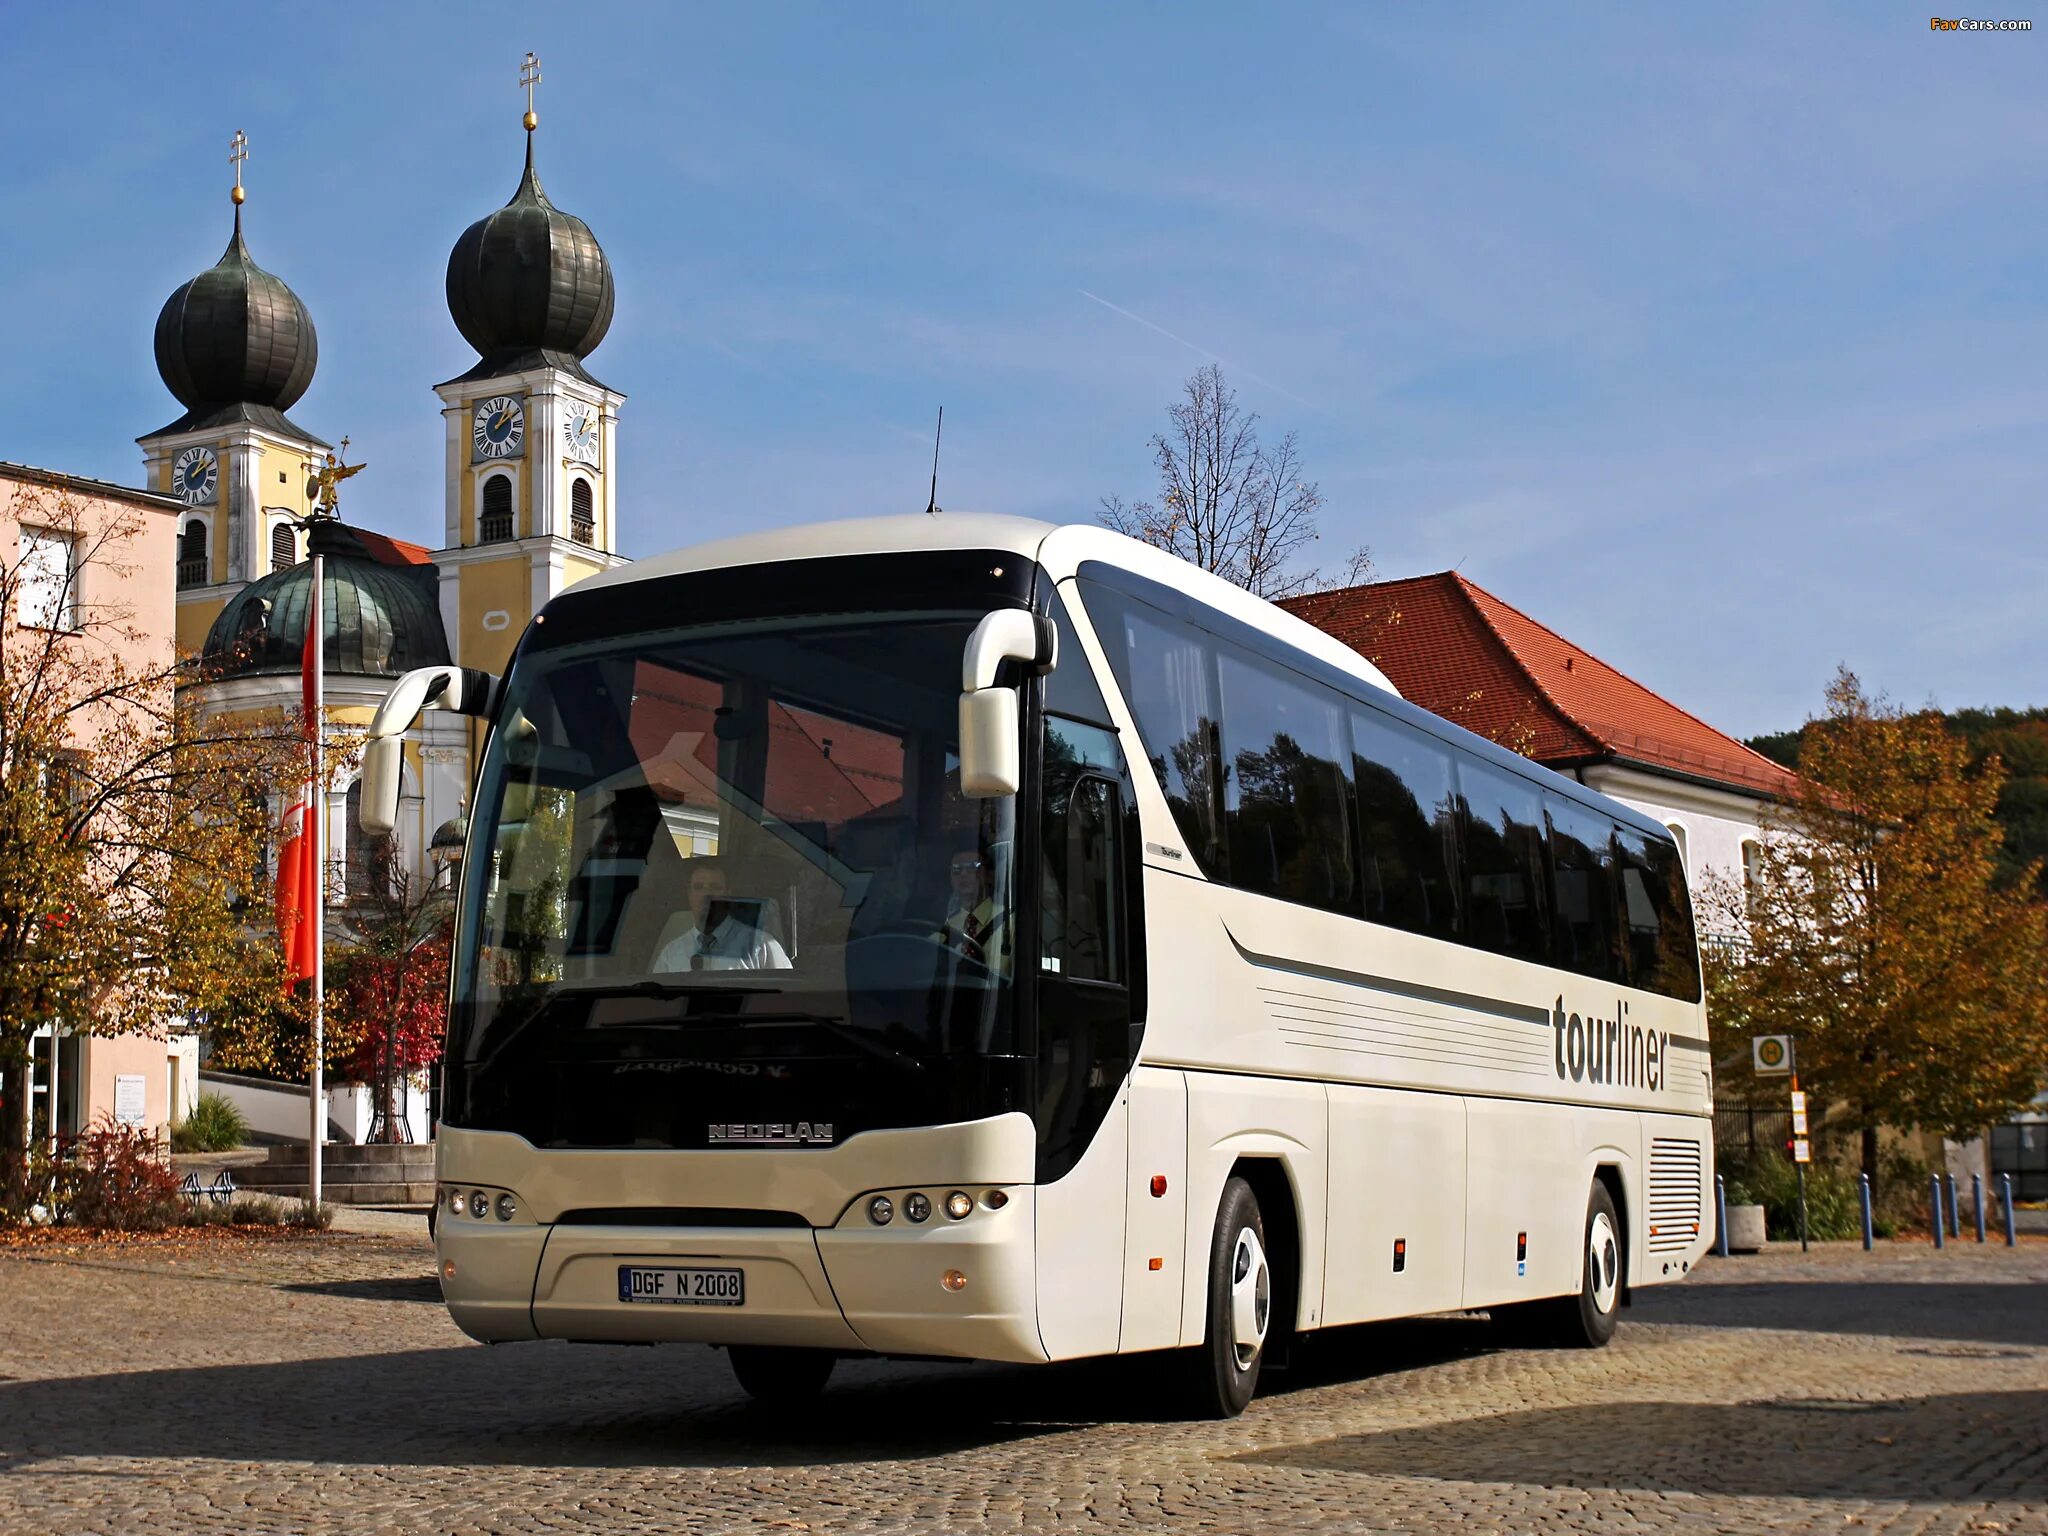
point(507, 1207)
point(917, 1207)
point(881, 1210)
point(479, 1204)
point(959, 1205)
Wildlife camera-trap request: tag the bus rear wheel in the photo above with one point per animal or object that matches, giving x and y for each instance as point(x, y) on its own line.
point(1224, 1372)
point(773, 1374)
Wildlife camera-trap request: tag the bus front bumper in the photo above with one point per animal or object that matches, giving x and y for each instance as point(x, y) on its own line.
point(963, 1289)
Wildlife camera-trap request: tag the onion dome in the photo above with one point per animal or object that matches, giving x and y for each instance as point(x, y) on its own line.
point(379, 620)
point(235, 344)
point(529, 285)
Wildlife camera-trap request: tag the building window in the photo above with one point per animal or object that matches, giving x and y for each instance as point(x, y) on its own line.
point(582, 521)
point(1753, 876)
point(495, 523)
point(192, 554)
point(48, 589)
point(284, 547)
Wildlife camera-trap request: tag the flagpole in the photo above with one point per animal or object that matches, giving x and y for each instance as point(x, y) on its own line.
point(316, 640)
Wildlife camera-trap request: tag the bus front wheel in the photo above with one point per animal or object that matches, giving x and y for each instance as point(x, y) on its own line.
point(1224, 1372)
point(778, 1375)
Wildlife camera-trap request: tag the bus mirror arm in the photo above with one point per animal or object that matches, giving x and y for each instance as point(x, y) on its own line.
point(464, 690)
point(991, 755)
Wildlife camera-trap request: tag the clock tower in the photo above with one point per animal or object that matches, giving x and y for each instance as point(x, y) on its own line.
point(237, 348)
point(530, 433)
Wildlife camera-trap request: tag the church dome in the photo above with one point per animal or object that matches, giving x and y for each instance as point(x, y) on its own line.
point(380, 620)
point(235, 335)
point(529, 280)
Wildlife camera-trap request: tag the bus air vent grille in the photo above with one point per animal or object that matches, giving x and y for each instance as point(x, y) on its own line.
point(1675, 1184)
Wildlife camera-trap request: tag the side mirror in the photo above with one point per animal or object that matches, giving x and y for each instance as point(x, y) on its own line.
point(991, 755)
point(991, 752)
point(464, 690)
point(383, 767)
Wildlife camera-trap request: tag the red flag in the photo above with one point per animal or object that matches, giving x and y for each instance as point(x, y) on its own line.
point(298, 853)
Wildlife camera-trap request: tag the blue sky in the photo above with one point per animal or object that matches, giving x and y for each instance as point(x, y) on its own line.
point(1714, 339)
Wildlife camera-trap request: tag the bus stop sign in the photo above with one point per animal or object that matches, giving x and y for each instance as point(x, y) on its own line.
point(1771, 1055)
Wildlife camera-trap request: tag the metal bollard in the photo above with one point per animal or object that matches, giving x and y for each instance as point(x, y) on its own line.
point(1934, 1199)
point(1955, 1213)
point(1720, 1216)
point(1977, 1202)
point(2011, 1231)
point(1863, 1191)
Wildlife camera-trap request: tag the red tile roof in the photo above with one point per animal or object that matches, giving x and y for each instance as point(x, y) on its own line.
point(1454, 648)
point(386, 550)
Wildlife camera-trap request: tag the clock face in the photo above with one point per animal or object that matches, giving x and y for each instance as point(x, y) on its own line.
point(579, 433)
point(195, 475)
point(499, 427)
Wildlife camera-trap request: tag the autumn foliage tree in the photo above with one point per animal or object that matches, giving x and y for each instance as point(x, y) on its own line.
point(1227, 501)
point(387, 990)
point(1915, 982)
point(131, 830)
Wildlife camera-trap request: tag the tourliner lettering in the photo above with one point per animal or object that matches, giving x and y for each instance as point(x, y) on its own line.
point(1610, 1051)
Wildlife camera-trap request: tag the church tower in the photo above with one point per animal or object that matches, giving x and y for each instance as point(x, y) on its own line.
point(530, 468)
point(236, 347)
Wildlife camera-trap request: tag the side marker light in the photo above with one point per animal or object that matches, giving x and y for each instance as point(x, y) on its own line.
point(1158, 1186)
point(1155, 1263)
point(953, 1280)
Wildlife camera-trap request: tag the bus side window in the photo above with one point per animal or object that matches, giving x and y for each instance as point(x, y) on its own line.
point(1167, 670)
point(1287, 787)
point(1407, 805)
point(1081, 929)
point(1500, 838)
point(1583, 888)
point(1663, 951)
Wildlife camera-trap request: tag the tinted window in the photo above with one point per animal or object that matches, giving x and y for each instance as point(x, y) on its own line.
point(1081, 930)
point(1583, 890)
point(1656, 914)
point(1070, 688)
point(1500, 832)
point(1167, 672)
point(1406, 815)
point(1284, 786)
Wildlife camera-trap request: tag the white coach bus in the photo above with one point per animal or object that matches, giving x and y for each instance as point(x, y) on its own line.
point(970, 937)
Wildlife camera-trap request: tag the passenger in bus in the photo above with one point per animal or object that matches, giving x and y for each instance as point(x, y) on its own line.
point(974, 924)
point(721, 936)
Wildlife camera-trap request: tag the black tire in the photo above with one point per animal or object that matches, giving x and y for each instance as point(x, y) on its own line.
point(772, 1374)
point(1587, 1320)
point(1223, 1374)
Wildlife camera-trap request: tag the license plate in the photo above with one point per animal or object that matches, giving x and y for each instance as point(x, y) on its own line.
point(683, 1287)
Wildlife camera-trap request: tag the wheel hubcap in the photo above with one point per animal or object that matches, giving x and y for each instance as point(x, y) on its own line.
point(1251, 1296)
point(1603, 1263)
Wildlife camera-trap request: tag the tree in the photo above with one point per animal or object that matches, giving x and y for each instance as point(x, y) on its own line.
point(1227, 502)
point(130, 847)
point(388, 986)
point(1915, 982)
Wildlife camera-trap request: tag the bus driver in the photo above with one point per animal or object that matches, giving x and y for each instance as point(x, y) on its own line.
point(719, 938)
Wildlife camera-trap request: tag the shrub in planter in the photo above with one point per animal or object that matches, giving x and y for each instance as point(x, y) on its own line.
point(214, 1125)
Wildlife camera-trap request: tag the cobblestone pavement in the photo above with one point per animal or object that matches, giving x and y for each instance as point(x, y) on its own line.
point(315, 1384)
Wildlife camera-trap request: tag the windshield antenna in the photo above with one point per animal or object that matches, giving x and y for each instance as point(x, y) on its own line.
point(932, 509)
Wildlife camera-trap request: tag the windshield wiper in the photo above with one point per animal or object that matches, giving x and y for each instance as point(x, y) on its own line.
point(837, 1030)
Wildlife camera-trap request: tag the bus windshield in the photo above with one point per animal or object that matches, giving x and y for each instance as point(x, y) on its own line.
point(722, 877)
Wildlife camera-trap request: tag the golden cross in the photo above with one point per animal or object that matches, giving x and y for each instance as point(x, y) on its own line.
point(238, 151)
point(529, 76)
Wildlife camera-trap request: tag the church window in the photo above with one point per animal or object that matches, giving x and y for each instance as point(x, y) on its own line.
point(496, 522)
point(582, 521)
point(284, 548)
point(192, 554)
